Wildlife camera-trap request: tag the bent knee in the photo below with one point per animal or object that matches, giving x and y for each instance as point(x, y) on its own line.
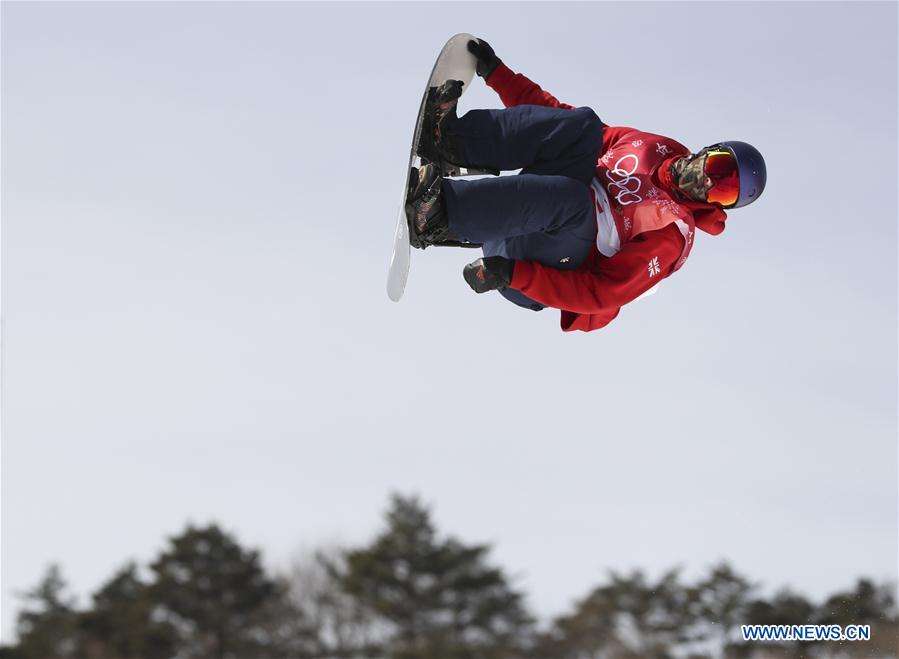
point(573, 202)
point(593, 125)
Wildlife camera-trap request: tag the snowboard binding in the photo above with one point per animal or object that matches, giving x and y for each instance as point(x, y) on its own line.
point(434, 145)
point(426, 210)
point(440, 112)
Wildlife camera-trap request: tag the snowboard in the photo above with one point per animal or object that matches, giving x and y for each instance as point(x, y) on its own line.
point(453, 63)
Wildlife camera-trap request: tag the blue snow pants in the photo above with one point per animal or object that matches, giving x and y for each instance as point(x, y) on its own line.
point(545, 213)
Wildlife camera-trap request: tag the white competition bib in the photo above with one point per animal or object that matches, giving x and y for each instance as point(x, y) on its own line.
point(607, 240)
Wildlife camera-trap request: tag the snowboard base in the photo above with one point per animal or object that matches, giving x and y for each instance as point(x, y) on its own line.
point(453, 63)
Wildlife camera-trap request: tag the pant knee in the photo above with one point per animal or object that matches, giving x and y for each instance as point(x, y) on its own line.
point(574, 197)
point(593, 125)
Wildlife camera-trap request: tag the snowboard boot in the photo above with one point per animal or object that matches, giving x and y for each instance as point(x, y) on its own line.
point(440, 111)
point(425, 208)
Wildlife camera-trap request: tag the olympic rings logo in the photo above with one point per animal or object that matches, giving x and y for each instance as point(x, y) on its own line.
point(624, 180)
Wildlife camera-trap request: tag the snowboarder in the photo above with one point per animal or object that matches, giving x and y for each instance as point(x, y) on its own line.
point(598, 214)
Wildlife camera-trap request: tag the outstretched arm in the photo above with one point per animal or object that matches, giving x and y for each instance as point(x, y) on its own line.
point(513, 88)
point(516, 89)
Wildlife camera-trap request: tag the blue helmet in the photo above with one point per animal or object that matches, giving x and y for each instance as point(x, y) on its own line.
point(752, 171)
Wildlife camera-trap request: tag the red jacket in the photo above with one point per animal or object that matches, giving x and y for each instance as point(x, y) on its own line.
point(654, 227)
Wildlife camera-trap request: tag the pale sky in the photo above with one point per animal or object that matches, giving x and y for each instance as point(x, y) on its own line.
point(198, 208)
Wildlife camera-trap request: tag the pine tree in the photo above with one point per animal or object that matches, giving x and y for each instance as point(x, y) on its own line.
point(720, 600)
point(588, 632)
point(47, 626)
point(218, 596)
point(122, 621)
point(440, 597)
point(629, 616)
point(867, 603)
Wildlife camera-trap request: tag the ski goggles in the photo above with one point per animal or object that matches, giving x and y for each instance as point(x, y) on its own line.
point(721, 168)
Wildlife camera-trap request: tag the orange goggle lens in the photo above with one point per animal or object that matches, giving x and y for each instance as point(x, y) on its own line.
point(721, 167)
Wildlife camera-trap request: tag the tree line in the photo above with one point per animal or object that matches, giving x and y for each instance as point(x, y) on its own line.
point(415, 593)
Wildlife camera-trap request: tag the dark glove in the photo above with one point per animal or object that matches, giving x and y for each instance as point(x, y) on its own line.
point(489, 273)
point(487, 59)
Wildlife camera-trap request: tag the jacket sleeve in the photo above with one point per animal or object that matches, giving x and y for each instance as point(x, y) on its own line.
point(516, 89)
point(602, 286)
